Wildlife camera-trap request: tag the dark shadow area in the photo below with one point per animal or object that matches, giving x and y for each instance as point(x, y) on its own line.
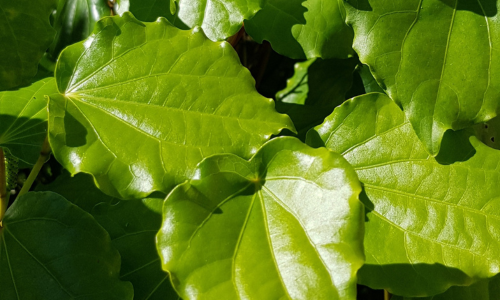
point(487, 8)
point(366, 293)
point(76, 134)
point(360, 4)
point(455, 147)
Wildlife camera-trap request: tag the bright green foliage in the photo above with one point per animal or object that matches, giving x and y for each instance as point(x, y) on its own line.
point(51, 249)
point(23, 119)
point(75, 20)
point(142, 103)
point(437, 59)
point(132, 226)
point(325, 33)
point(150, 10)
point(429, 225)
point(25, 34)
point(285, 225)
point(297, 87)
point(483, 290)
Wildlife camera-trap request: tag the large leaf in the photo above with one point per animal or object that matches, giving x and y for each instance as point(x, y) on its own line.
point(285, 225)
point(142, 103)
point(429, 225)
point(436, 58)
point(325, 33)
point(51, 249)
point(75, 20)
point(132, 226)
point(483, 290)
point(23, 119)
point(25, 34)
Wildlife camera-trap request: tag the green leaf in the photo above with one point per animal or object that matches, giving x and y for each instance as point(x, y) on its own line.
point(297, 87)
point(75, 20)
point(51, 249)
point(437, 59)
point(369, 82)
point(285, 225)
point(489, 133)
point(25, 33)
point(142, 104)
point(150, 10)
point(429, 225)
point(132, 226)
point(274, 23)
point(325, 33)
point(483, 290)
point(23, 119)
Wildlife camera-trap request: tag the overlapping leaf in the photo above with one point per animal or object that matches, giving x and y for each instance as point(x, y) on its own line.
point(429, 225)
point(150, 10)
point(285, 225)
point(142, 103)
point(75, 20)
point(489, 133)
point(51, 249)
point(438, 59)
point(25, 34)
point(132, 226)
point(23, 119)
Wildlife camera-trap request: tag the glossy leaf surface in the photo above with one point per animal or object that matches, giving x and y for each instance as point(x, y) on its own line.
point(429, 225)
point(25, 34)
point(75, 20)
point(51, 249)
point(142, 103)
point(285, 225)
point(325, 33)
point(132, 226)
point(23, 119)
point(437, 59)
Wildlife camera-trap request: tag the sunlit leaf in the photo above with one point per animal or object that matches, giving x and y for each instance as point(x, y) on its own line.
point(285, 225)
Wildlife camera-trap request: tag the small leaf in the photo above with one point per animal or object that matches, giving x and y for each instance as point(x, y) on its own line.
point(132, 226)
point(285, 225)
point(23, 119)
point(297, 87)
point(51, 249)
point(26, 33)
point(489, 133)
point(437, 59)
point(325, 33)
point(142, 104)
point(429, 226)
point(75, 20)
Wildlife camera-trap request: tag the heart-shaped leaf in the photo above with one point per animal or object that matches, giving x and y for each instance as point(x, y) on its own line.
point(142, 104)
point(429, 225)
point(26, 33)
point(285, 225)
point(51, 249)
point(23, 119)
point(437, 59)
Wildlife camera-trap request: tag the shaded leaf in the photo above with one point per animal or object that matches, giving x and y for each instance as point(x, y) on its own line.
point(150, 10)
point(489, 133)
point(142, 103)
point(132, 226)
point(437, 59)
point(25, 34)
point(75, 20)
point(429, 226)
point(297, 87)
point(23, 119)
point(285, 225)
point(51, 249)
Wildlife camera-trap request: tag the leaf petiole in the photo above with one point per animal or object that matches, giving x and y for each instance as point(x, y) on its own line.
point(4, 197)
point(44, 156)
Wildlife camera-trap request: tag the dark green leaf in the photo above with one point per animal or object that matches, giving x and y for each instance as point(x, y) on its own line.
point(23, 119)
point(25, 34)
point(437, 59)
point(285, 225)
point(142, 104)
point(429, 225)
point(150, 10)
point(51, 249)
point(489, 133)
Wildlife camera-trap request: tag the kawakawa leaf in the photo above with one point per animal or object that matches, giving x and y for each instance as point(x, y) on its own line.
point(25, 34)
point(141, 104)
point(51, 249)
point(23, 119)
point(285, 225)
point(75, 20)
point(150, 10)
point(132, 226)
point(429, 225)
point(435, 58)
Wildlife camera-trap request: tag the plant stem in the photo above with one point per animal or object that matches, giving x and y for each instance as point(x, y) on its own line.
point(387, 296)
point(44, 155)
point(4, 199)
